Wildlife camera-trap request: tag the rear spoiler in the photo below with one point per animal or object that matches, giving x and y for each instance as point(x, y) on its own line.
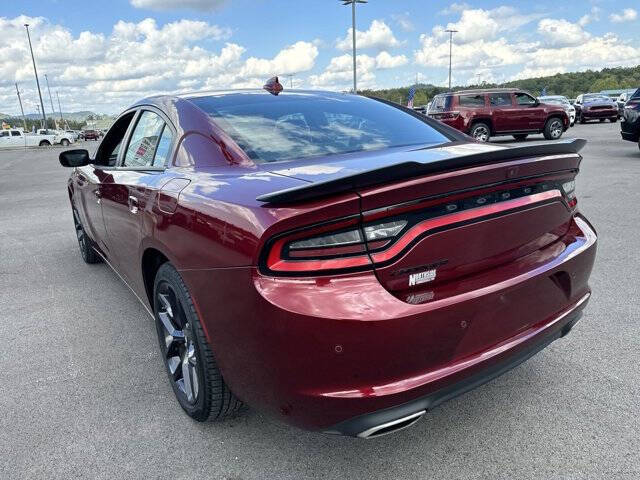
point(403, 170)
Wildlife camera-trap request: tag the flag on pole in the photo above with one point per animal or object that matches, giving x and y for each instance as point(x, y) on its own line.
point(412, 93)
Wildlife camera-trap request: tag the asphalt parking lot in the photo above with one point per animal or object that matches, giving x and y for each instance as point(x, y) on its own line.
point(84, 393)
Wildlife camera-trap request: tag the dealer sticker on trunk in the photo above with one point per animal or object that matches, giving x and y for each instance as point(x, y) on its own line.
point(422, 277)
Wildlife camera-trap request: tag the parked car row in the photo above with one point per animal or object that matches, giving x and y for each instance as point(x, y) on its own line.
point(483, 114)
point(11, 138)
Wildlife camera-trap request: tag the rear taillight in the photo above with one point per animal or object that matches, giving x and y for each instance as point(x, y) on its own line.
point(569, 190)
point(351, 245)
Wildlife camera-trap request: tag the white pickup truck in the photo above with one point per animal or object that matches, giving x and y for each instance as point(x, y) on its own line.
point(17, 138)
point(60, 136)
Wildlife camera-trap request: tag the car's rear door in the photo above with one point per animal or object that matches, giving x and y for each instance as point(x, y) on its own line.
point(132, 189)
point(503, 112)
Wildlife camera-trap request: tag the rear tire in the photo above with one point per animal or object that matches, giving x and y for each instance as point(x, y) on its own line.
point(193, 372)
point(64, 142)
point(613, 120)
point(582, 120)
point(520, 137)
point(87, 252)
point(553, 129)
point(481, 132)
point(44, 143)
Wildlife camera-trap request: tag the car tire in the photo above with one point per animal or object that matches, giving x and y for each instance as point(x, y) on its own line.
point(553, 129)
point(193, 372)
point(520, 137)
point(87, 252)
point(481, 132)
point(64, 142)
point(613, 120)
point(44, 143)
point(601, 120)
point(582, 120)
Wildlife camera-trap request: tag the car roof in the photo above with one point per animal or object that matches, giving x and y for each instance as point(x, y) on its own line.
point(489, 90)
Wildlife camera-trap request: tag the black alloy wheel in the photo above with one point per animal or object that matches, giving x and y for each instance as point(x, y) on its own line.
point(193, 372)
point(89, 255)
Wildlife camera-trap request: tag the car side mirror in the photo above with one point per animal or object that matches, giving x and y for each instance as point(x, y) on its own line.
point(74, 158)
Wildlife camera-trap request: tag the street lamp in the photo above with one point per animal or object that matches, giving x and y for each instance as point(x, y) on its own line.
point(451, 32)
point(53, 110)
point(353, 31)
point(44, 117)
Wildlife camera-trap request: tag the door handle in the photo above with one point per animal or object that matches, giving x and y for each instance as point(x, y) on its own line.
point(133, 204)
point(98, 195)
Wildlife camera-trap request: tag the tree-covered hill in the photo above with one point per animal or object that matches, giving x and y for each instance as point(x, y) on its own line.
point(568, 84)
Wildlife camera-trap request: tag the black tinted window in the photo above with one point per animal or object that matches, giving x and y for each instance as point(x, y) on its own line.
point(471, 100)
point(273, 128)
point(4, 134)
point(500, 99)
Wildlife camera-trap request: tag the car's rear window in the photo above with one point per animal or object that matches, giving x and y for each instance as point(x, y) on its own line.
point(296, 125)
point(442, 102)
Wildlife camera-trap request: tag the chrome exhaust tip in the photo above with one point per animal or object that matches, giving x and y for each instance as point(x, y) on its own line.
point(392, 426)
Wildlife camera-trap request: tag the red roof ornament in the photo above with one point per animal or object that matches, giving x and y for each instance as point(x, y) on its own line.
point(273, 86)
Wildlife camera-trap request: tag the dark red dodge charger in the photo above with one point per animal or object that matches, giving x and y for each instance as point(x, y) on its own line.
point(340, 262)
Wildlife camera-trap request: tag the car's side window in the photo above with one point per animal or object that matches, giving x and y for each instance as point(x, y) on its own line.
point(4, 134)
point(144, 141)
point(524, 99)
point(164, 147)
point(15, 134)
point(500, 99)
point(471, 100)
point(107, 154)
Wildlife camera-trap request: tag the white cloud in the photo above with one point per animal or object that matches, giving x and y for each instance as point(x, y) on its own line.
point(339, 73)
point(490, 44)
point(404, 21)
point(105, 73)
point(628, 15)
point(592, 16)
point(379, 35)
point(202, 5)
point(561, 33)
point(386, 60)
point(299, 57)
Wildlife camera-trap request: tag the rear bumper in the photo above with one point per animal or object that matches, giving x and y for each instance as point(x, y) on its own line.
point(334, 354)
point(368, 425)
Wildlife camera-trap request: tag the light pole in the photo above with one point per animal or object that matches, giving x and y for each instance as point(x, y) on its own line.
point(353, 32)
point(451, 32)
point(35, 70)
point(60, 111)
point(290, 75)
point(53, 110)
point(24, 121)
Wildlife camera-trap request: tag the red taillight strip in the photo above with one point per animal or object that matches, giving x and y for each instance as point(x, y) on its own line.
point(462, 216)
point(276, 263)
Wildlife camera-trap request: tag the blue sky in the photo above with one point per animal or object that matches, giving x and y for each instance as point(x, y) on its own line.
point(104, 55)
